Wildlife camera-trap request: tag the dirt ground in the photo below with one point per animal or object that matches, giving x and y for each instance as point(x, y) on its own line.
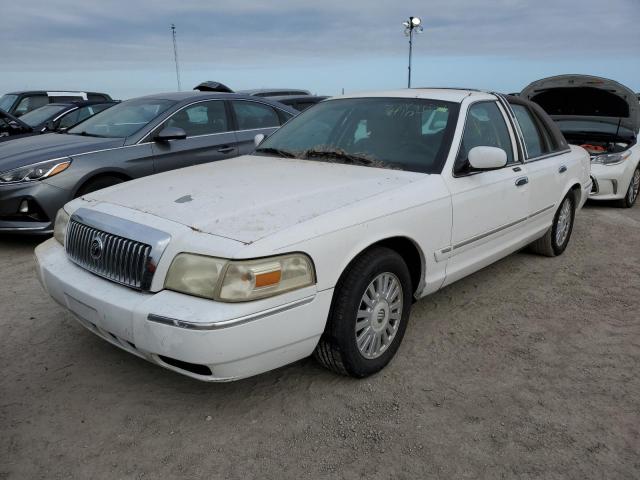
point(527, 369)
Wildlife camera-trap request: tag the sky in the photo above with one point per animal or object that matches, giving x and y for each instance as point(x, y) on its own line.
point(124, 47)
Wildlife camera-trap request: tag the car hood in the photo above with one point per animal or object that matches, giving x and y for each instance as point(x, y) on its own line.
point(252, 197)
point(39, 148)
point(586, 97)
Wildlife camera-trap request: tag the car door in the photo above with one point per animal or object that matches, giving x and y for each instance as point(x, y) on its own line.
point(544, 165)
point(488, 207)
point(209, 137)
point(253, 118)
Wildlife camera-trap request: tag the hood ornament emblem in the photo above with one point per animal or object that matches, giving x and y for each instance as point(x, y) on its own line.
point(96, 248)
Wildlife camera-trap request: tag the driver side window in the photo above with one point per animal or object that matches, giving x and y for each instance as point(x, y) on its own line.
point(485, 127)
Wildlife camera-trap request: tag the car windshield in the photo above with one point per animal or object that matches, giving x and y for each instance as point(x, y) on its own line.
point(402, 133)
point(123, 119)
point(41, 115)
point(590, 126)
point(7, 101)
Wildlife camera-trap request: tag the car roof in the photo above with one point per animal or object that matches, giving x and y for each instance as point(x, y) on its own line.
point(52, 90)
point(256, 91)
point(81, 103)
point(193, 95)
point(456, 95)
point(280, 98)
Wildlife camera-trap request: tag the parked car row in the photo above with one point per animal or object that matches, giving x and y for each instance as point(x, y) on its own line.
point(329, 224)
point(134, 138)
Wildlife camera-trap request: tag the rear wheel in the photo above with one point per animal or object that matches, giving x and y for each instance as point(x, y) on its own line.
point(556, 239)
point(634, 189)
point(368, 316)
point(99, 183)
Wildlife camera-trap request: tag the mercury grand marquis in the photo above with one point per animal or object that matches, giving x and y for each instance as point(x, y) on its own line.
point(320, 241)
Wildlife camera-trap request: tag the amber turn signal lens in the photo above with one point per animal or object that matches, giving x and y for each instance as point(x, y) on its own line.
point(267, 279)
point(61, 167)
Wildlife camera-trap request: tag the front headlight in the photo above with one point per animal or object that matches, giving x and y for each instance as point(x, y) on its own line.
point(611, 158)
point(37, 171)
point(239, 280)
point(60, 227)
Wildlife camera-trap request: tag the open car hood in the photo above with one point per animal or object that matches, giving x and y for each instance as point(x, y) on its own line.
point(586, 97)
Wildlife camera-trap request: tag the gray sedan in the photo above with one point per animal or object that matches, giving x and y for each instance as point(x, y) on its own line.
point(139, 137)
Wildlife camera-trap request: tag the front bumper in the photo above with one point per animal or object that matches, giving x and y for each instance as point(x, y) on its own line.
point(203, 339)
point(611, 182)
point(44, 202)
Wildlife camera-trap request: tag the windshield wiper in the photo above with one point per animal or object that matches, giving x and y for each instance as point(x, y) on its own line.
point(341, 155)
point(277, 151)
point(87, 134)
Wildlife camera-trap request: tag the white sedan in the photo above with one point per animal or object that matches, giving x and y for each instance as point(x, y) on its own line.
point(602, 116)
point(320, 241)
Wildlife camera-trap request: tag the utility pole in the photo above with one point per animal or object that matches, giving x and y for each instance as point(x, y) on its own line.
point(175, 55)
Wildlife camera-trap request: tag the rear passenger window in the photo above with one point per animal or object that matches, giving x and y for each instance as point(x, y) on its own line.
point(201, 119)
point(253, 115)
point(533, 139)
point(485, 127)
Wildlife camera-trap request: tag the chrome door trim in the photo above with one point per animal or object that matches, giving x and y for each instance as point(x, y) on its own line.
point(451, 250)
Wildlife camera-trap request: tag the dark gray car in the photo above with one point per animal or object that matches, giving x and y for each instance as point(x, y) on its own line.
point(138, 137)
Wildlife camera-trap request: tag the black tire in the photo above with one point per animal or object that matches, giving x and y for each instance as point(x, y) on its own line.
point(98, 184)
point(632, 192)
point(338, 350)
point(548, 245)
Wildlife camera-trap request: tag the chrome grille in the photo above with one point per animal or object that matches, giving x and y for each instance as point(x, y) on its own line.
point(110, 256)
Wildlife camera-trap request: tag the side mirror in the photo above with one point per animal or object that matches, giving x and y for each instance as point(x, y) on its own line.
point(170, 133)
point(258, 139)
point(487, 158)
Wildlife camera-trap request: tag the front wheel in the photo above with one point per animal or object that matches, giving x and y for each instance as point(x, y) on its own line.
point(556, 239)
point(98, 183)
point(368, 315)
point(633, 191)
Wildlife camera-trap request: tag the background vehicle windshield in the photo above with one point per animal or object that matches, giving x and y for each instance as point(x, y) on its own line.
point(7, 101)
point(122, 120)
point(406, 133)
point(42, 114)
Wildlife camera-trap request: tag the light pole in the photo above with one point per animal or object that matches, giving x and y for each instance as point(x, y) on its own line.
point(409, 26)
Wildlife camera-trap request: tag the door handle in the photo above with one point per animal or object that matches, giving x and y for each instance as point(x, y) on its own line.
point(517, 169)
point(522, 181)
point(562, 169)
point(226, 149)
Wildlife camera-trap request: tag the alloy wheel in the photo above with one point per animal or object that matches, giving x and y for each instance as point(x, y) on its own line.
point(564, 222)
point(379, 315)
point(634, 188)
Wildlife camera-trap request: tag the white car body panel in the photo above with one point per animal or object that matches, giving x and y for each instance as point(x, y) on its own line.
point(612, 181)
point(256, 206)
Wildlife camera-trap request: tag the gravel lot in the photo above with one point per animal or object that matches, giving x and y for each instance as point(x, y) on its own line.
point(527, 369)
